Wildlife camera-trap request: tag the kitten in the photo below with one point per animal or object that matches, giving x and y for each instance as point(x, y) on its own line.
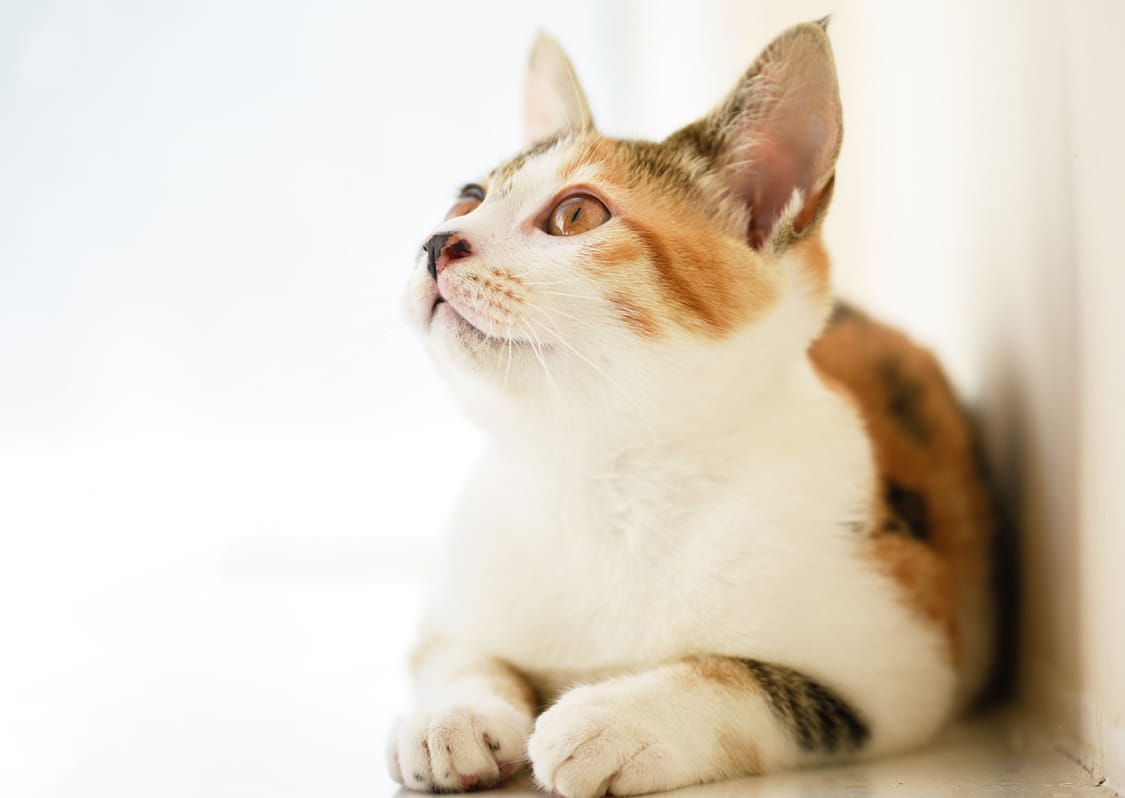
point(724, 526)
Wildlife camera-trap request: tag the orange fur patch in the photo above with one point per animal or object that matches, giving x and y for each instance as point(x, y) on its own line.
point(816, 262)
point(724, 671)
point(743, 757)
point(640, 320)
point(740, 753)
point(933, 517)
point(706, 280)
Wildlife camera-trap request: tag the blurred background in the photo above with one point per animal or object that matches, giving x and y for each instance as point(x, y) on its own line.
point(222, 457)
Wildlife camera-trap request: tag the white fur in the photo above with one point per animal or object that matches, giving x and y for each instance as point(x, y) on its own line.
point(575, 558)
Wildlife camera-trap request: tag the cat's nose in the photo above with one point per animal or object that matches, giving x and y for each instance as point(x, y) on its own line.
point(444, 248)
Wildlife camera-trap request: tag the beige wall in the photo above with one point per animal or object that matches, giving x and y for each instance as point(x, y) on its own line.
point(978, 203)
point(1096, 66)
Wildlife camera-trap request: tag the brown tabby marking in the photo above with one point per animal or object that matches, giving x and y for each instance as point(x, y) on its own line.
point(924, 453)
point(818, 719)
point(637, 165)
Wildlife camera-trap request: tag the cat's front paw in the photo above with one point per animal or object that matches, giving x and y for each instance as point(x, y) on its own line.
point(464, 746)
point(587, 746)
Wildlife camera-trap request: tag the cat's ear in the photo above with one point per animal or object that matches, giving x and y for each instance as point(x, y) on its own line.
point(553, 101)
point(777, 135)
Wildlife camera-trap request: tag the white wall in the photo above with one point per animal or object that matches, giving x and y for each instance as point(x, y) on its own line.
point(1095, 64)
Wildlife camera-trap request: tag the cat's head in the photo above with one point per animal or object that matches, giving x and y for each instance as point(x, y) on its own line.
point(599, 274)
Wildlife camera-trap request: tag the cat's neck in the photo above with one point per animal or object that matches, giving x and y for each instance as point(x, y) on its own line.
point(694, 430)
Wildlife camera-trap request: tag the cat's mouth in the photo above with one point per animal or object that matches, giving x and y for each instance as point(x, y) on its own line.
point(438, 301)
point(441, 302)
point(442, 308)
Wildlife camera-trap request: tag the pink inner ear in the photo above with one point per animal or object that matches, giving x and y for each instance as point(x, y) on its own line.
point(786, 131)
point(767, 187)
point(778, 162)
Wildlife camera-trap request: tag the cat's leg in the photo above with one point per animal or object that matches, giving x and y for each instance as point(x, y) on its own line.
point(699, 720)
point(470, 724)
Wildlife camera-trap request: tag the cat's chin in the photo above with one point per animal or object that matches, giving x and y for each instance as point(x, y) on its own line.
point(461, 340)
point(446, 319)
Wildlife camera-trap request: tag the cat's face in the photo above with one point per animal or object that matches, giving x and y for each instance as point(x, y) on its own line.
point(586, 266)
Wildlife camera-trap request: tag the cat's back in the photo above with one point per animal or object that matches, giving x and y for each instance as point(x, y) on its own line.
point(935, 520)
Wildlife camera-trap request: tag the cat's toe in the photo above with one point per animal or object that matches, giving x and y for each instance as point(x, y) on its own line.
point(577, 751)
point(458, 748)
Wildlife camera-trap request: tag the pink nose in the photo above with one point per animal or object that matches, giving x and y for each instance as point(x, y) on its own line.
point(444, 248)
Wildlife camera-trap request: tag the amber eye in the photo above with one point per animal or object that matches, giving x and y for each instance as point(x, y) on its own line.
point(471, 196)
point(577, 214)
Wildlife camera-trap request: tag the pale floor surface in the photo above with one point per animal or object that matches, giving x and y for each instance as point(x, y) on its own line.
point(269, 670)
point(992, 756)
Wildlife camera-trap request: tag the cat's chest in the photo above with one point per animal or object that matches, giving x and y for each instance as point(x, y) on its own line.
point(589, 576)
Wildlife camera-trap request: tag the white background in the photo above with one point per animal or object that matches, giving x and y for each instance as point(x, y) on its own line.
point(222, 456)
point(220, 452)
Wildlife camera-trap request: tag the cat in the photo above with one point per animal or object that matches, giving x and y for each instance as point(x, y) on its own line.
point(725, 524)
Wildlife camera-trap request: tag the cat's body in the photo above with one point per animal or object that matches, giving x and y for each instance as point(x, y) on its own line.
point(749, 554)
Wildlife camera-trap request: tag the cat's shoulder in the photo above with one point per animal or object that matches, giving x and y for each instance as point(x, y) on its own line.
point(909, 407)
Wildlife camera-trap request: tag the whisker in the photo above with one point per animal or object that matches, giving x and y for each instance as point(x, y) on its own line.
point(527, 274)
point(536, 282)
point(588, 298)
point(537, 351)
point(612, 382)
point(508, 368)
point(570, 316)
point(382, 339)
point(558, 337)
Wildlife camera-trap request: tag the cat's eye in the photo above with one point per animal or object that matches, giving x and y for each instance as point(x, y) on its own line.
point(577, 214)
point(471, 196)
